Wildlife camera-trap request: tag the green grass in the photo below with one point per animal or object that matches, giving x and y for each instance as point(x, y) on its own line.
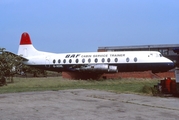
point(58, 83)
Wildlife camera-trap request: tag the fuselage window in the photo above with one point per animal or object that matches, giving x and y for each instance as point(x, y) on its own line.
point(135, 59)
point(95, 60)
point(103, 60)
point(83, 60)
point(89, 60)
point(115, 59)
point(70, 60)
point(127, 59)
point(77, 60)
point(108, 59)
point(64, 61)
point(59, 61)
point(54, 61)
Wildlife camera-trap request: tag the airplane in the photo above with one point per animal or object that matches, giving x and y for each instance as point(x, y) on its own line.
point(93, 62)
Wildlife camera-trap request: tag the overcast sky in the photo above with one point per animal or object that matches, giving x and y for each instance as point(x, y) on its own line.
point(84, 25)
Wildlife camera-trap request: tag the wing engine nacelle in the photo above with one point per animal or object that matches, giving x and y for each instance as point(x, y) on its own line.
point(98, 68)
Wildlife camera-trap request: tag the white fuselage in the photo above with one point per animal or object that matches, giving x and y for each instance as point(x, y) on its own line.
point(98, 58)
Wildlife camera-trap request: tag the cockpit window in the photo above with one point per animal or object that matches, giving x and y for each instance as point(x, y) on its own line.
point(160, 55)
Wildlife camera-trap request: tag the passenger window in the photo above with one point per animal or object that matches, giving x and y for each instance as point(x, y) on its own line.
point(96, 60)
point(83, 60)
point(64, 61)
point(59, 61)
point(77, 60)
point(89, 60)
point(54, 61)
point(103, 60)
point(127, 59)
point(70, 60)
point(108, 59)
point(116, 60)
point(135, 59)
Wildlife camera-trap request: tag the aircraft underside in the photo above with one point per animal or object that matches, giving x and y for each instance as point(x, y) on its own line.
point(109, 68)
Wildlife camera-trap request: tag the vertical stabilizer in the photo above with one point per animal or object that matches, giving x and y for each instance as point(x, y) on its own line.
point(26, 48)
point(25, 39)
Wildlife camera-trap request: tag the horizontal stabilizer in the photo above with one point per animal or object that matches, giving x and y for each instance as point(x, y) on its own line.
point(24, 59)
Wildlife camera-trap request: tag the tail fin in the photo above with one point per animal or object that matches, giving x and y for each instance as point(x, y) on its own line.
point(26, 48)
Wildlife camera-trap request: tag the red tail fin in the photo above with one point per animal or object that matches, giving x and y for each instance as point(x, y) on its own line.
point(25, 39)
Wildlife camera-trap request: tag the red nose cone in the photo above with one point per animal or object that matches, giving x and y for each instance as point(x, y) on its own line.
point(25, 39)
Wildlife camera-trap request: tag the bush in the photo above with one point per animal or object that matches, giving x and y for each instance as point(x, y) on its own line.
point(146, 89)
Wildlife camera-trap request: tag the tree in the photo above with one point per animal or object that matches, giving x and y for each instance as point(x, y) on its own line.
point(33, 70)
point(9, 63)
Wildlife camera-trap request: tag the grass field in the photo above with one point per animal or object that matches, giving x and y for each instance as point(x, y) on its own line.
point(138, 86)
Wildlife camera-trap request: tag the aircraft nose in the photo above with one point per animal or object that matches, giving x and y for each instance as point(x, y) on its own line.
point(171, 65)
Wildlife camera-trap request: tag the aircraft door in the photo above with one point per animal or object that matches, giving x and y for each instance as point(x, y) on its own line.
point(47, 61)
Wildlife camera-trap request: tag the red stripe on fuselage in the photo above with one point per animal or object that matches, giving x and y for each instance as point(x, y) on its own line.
point(25, 39)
